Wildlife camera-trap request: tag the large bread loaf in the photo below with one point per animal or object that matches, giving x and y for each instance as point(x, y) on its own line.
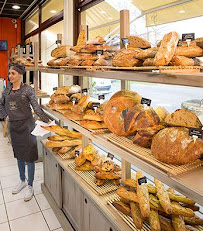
point(167, 49)
point(61, 52)
point(175, 146)
point(138, 42)
point(191, 51)
point(184, 61)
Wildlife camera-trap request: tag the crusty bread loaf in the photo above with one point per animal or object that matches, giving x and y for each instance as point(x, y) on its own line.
point(175, 146)
point(84, 56)
point(64, 150)
point(149, 62)
point(93, 125)
point(61, 91)
point(51, 62)
point(138, 42)
point(61, 106)
point(60, 52)
point(143, 141)
point(90, 48)
point(59, 138)
point(191, 51)
point(184, 61)
point(91, 115)
point(102, 62)
point(108, 175)
point(167, 49)
point(147, 53)
point(81, 105)
point(76, 49)
point(121, 100)
point(87, 62)
point(183, 118)
point(65, 143)
point(73, 116)
point(199, 42)
point(186, 44)
point(162, 113)
point(126, 58)
point(59, 98)
point(124, 208)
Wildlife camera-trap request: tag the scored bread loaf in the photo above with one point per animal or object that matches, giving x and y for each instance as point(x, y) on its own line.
point(126, 58)
point(138, 42)
point(73, 116)
point(184, 61)
point(59, 98)
point(191, 51)
point(102, 62)
point(167, 49)
point(61, 51)
point(148, 53)
point(149, 62)
point(93, 125)
point(143, 141)
point(183, 118)
point(91, 115)
point(65, 143)
point(175, 146)
point(74, 62)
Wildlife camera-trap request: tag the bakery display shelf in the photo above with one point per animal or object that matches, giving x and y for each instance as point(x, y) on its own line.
point(195, 80)
point(89, 176)
point(190, 185)
point(129, 219)
point(145, 154)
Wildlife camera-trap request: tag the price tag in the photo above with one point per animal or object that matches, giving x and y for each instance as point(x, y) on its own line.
point(142, 180)
point(55, 88)
point(196, 132)
point(125, 42)
point(101, 97)
point(74, 100)
point(111, 156)
point(77, 153)
point(99, 52)
point(146, 101)
point(97, 105)
point(188, 37)
point(58, 42)
point(65, 127)
point(85, 90)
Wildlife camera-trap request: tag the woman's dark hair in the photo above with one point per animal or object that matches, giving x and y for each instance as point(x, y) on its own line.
point(19, 67)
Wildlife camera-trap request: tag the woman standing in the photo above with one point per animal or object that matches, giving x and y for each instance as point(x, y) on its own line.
point(15, 107)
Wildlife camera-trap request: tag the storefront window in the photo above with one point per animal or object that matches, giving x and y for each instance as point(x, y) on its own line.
point(32, 23)
point(51, 8)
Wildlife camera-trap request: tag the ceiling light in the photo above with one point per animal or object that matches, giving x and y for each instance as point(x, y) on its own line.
point(181, 11)
point(16, 7)
point(53, 11)
point(103, 12)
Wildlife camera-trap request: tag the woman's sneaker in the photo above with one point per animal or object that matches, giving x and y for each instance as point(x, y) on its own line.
point(29, 193)
point(19, 187)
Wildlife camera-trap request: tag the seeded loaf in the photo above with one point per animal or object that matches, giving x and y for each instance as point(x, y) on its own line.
point(138, 42)
point(191, 51)
point(167, 49)
point(183, 118)
point(175, 146)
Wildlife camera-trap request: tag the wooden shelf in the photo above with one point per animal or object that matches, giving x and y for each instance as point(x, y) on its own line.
point(39, 96)
point(190, 185)
point(193, 80)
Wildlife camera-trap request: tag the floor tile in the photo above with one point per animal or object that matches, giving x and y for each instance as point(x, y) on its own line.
point(7, 162)
point(9, 181)
point(1, 197)
point(9, 197)
point(37, 186)
point(39, 165)
point(34, 222)
point(3, 215)
point(39, 174)
point(60, 229)
point(6, 154)
point(20, 208)
point(51, 219)
point(9, 170)
point(42, 201)
point(4, 227)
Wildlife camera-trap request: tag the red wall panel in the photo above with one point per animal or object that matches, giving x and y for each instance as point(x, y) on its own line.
point(13, 36)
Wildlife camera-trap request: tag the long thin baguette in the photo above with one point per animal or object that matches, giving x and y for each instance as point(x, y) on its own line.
point(65, 143)
point(163, 196)
point(166, 224)
point(190, 228)
point(128, 195)
point(180, 198)
point(195, 220)
point(136, 215)
point(154, 220)
point(143, 196)
point(178, 223)
point(59, 138)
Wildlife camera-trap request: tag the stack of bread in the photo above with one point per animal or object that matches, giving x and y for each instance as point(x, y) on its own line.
point(105, 169)
point(162, 209)
point(69, 101)
point(140, 120)
point(174, 145)
point(173, 52)
point(65, 142)
point(29, 62)
point(85, 53)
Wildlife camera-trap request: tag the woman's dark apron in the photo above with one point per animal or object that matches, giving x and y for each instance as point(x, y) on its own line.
point(21, 125)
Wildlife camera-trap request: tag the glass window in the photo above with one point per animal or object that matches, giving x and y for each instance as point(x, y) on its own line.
point(32, 23)
point(48, 38)
point(51, 8)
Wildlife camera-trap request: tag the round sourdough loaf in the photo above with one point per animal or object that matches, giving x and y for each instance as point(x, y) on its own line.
point(122, 100)
point(174, 146)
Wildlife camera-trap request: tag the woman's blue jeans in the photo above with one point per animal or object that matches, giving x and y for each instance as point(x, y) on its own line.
point(30, 168)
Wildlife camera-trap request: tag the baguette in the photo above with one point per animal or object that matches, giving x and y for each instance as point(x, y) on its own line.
point(180, 198)
point(93, 125)
point(154, 220)
point(128, 195)
point(65, 143)
point(107, 175)
point(56, 149)
point(59, 138)
point(124, 208)
point(190, 228)
point(193, 207)
point(136, 215)
point(178, 223)
point(64, 150)
point(143, 196)
point(166, 224)
point(191, 51)
point(195, 220)
point(179, 210)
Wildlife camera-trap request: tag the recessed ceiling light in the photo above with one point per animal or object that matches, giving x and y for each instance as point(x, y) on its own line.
point(181, 11)
point(53, 11)
point(103, 12)
point(16, 7)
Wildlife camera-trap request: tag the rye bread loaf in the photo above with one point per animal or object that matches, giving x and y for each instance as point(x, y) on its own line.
point(183, 118)
point(167, 49)
point(138, 42)
point(175, 146)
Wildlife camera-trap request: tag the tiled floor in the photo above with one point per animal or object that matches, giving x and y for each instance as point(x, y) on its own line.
point(15, 214)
